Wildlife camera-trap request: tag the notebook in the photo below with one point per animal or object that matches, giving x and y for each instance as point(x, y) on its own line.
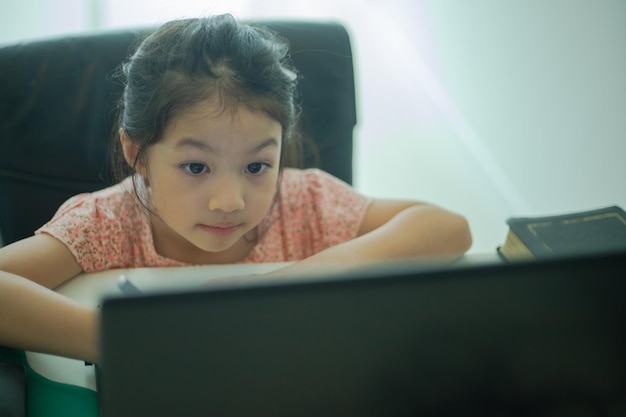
point(532, 338)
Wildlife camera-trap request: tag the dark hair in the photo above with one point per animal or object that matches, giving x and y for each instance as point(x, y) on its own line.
point(187, 61)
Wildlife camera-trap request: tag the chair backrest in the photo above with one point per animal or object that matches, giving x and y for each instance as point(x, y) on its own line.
point(56, 114)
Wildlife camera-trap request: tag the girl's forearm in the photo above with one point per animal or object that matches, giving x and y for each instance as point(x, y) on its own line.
point(35, 318)
point(417, 231)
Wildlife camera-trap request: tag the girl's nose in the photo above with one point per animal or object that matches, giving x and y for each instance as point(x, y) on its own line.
point(226, 195)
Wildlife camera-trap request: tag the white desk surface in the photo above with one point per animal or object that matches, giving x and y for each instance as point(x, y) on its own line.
point(90, 289)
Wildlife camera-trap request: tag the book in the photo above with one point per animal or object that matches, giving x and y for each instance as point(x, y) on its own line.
point(578, 233)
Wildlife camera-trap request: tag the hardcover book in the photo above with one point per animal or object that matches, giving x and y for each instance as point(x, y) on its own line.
point(578, 233)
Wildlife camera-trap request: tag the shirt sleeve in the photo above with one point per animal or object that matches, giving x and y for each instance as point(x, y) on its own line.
point(93, 230)
point(319, 210)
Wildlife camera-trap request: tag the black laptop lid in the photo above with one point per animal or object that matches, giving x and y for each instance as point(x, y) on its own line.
point(538, 338)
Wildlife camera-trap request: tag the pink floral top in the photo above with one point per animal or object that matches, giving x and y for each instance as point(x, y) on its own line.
point(110, 229)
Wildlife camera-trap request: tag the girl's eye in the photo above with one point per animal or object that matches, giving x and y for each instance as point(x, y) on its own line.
point(195, 168)
point(256, 168)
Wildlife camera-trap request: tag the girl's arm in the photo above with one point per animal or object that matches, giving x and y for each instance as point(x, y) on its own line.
point(398, 229)
point(32, 317)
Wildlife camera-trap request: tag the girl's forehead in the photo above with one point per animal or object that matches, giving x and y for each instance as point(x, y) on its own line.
point(209, 108)
point(209, 121)
point(218, 111)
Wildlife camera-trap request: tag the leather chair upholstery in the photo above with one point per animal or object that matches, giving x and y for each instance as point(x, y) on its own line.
point(56, 114)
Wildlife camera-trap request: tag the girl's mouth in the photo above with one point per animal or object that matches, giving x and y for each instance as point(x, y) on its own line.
point(221, 229)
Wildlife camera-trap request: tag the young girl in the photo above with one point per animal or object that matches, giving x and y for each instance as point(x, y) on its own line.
point(208, 120)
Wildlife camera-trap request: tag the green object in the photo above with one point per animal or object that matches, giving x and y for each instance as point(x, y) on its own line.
point(47, 398)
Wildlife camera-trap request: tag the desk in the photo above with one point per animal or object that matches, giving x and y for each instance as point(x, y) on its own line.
point(66, 387)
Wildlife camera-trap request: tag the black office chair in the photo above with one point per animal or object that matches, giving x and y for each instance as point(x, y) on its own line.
point(56, 112)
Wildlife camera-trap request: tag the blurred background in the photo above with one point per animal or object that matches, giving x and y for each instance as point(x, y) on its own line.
point(491, 108)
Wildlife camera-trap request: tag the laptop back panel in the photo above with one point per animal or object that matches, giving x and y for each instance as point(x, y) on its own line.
point(533, 338)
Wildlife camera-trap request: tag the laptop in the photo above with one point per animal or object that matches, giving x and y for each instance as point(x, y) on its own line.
point(530, 338)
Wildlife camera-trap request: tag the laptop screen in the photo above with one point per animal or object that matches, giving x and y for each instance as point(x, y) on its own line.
point(536, 338)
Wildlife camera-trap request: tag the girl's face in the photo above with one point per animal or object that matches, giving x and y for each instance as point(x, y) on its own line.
point(212, 180)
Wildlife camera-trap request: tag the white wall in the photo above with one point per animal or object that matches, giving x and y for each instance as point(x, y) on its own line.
point(544, 87)
point(33, 19)
point(491, 108)
point(494, 108)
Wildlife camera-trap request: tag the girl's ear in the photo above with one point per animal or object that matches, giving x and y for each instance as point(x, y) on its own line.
point(131, 150)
